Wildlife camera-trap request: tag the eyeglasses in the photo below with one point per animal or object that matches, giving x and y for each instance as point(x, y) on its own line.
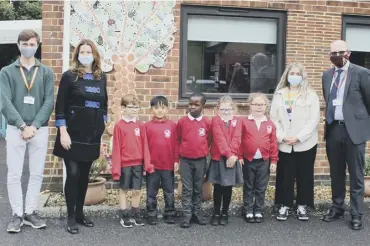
point(225, 110)
point(337, 53)
point(133, 107)
point(258, 104)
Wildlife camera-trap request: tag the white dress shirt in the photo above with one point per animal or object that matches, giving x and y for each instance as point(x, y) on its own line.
point(338, 113)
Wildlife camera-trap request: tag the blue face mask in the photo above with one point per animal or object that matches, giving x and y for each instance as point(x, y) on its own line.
point(294, 80)
point(28, 52)
point(86, 60)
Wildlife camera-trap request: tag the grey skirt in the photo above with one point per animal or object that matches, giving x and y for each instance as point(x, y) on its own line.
point(218, 173)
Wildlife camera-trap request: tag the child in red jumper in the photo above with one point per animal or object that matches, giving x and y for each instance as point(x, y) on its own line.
point(130, 150)
point(161, 135)
point(225, 170)
point(259, 149)
point(193, 132)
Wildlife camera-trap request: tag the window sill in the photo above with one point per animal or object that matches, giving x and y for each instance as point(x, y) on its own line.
point(183, 104)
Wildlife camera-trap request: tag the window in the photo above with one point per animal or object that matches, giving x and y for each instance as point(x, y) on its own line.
point(356, 31)
point(228, 50)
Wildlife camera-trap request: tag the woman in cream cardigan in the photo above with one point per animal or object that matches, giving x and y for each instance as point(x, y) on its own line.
point(295, 110)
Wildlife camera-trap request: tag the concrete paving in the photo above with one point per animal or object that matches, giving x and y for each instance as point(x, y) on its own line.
point(109, 232)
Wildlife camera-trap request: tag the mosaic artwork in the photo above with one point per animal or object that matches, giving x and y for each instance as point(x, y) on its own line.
point(130, 35)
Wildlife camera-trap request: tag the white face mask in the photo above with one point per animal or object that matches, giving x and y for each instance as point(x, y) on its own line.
point(86, 60)
point(294, 80)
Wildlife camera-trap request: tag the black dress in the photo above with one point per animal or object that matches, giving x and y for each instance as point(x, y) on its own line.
point(82, 107)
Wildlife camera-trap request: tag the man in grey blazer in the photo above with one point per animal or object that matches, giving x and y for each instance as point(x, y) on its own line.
point(346, 89)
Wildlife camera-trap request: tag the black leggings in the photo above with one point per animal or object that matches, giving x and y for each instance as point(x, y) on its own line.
point(221, 193)
point(76, 186)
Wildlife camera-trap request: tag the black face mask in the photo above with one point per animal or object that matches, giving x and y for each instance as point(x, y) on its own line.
point(339, 61)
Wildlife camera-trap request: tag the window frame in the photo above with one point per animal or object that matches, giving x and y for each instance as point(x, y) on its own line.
point(357, 20)
point(279, 15)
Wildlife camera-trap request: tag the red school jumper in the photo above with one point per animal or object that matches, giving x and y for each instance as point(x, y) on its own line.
point(130, 147)
point(263, 139)
point(226, 140)
point(194, 136)
point(162, 142)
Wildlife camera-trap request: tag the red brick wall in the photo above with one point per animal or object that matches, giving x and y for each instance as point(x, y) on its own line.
point(311, 26)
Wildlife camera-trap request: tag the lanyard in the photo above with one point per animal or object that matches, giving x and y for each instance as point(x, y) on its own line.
point(29, 86)
point(341, 82)
point(290, 102)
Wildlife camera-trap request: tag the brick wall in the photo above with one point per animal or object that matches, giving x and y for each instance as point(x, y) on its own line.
point(311, 26)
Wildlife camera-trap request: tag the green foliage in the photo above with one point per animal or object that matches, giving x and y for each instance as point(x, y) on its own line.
point(20, 10)
point(6, 11)
point(367, 166)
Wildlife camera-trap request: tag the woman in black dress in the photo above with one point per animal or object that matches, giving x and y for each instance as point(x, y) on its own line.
point(80, 116)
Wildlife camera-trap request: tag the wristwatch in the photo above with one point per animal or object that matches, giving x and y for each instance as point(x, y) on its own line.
point(22, 127)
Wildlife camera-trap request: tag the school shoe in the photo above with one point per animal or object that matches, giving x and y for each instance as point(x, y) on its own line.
point(185, 223)
point(331, 215)
point(85, 221)
point(302, 213)
point(356, 222)
point(258, 218)
point(199, 219)
point(34, 220)
point(151, 220)
point(15, 225)
point(72, 226)
point(125, 219)
point(283, 213)
point(215, 221)
point(126, 222)
point(249, 218)
point(136, 219)
point(169, 219)
point(224, 220)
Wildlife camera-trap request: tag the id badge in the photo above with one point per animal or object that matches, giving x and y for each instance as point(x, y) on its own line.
point(29, 100)
point(337, 102)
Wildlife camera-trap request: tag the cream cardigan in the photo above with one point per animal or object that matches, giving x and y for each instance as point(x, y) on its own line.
point(304, 123)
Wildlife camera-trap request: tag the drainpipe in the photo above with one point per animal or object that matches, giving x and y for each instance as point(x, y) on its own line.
point(66, 38)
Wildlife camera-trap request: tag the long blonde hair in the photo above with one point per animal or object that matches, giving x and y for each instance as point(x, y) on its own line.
point(303, 87)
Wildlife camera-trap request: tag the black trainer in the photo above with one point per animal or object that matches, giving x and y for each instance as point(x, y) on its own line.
point(136, 219)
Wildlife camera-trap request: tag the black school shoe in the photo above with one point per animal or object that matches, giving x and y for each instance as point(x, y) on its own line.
point(185, 223)
point(151, 220)
point(168, 219)
point(215, 221)
point(224, 220)
point(199, 219)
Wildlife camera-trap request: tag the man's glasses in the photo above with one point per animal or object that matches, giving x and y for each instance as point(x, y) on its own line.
point(337, 53)
point(258, 104)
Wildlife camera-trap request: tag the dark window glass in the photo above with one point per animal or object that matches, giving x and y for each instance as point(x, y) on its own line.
point(230, 51)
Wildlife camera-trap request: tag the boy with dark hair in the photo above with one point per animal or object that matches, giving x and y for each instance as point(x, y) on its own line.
point(161, 135)
point(194, 133)
point(130, 150)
